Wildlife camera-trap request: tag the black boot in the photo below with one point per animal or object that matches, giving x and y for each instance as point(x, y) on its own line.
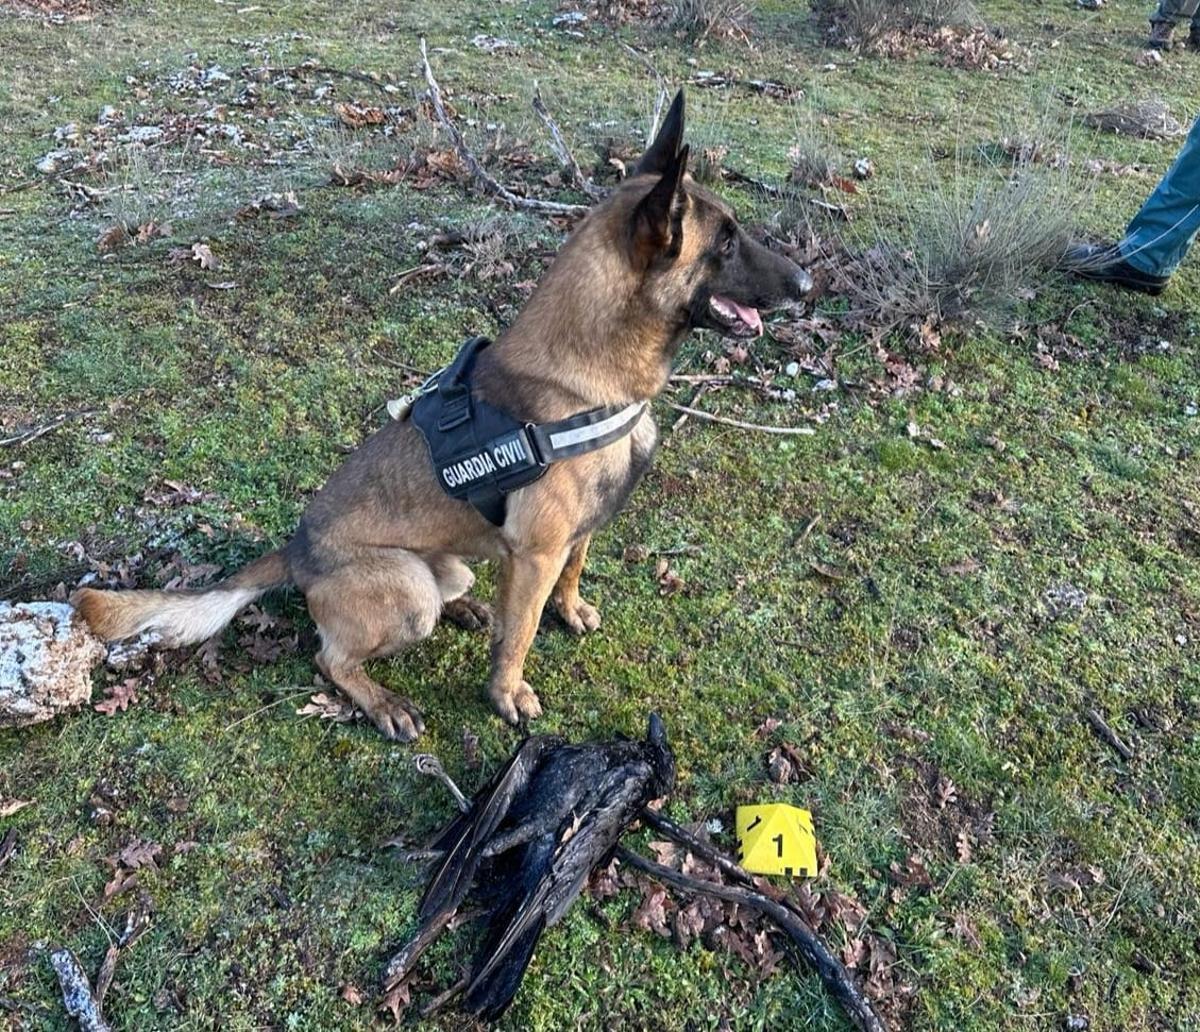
point(1105, 263)
point(1193, 40)
point(1160, 35)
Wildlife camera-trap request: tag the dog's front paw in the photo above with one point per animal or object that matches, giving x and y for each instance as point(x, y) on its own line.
point(515, 704)
point(397, 718)
point(580, 617)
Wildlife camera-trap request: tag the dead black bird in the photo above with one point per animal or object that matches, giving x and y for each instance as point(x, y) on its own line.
point(524, 849)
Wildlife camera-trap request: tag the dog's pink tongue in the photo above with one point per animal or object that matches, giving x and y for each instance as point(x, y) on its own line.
point(749, 316)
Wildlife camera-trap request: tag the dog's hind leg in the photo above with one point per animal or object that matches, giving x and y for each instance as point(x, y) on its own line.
point(373, 606)
point(454, 579)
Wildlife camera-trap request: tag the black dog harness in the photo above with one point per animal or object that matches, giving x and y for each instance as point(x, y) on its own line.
point(480, 453)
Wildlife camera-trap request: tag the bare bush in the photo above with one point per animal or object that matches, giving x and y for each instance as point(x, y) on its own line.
point(963, 248)
point(861, 24)
point(702, 18)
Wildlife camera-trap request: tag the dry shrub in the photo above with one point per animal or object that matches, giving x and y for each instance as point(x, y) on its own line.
point(815, 162)
point(962, 248)
point(699, 19)
point(1149, 119)
point(871, 25)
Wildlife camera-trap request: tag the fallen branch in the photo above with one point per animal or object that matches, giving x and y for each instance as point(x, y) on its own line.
point(32, 433)
point(563, 152)
point(417, 272)
point(1107, 734)
point(732, 175)
point(767, 87)
point(483, 181)
point(803, 431)
point(297, 71)
point(831, 972)
point(81, 1004)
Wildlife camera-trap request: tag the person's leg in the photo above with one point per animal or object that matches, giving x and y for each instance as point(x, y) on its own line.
point(1164, 19)
point(1160, 234)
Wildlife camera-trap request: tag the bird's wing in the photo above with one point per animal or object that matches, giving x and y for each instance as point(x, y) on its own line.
point(558, 877)
point(464, 839)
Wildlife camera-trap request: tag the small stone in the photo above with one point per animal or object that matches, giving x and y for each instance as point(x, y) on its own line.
point(792, 369)
point(863, 169)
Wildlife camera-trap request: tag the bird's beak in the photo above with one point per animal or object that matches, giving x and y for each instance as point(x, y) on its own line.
point(657, 732)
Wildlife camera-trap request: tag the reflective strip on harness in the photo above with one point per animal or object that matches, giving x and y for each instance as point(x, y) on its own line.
point(615, 424)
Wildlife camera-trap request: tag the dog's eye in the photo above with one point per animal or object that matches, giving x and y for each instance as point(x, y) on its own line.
point(729, 245)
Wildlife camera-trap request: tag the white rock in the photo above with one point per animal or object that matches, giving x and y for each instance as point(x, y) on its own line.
point(142, 134)
point(55, 161)
point(46, 660)
point(792, 369)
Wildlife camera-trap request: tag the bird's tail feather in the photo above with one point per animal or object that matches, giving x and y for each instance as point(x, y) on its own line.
point(489, 996)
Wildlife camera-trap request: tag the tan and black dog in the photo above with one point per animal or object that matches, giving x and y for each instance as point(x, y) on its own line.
point(380, 553)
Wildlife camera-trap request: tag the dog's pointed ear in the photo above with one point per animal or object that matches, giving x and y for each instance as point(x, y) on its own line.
point(661, 153)
point(658, 217)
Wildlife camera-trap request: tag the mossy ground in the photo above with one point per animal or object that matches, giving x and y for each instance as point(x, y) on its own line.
point(935, 656)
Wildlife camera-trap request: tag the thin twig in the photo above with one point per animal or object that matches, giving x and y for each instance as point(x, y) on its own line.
point(1107, 734)
point(804, 431)
point(808, 529)
point(559, 143)
point(291, 695)
point(701, 389)
point(483, 181)
point(830, 970)
point(442, 998)
point(660, 99)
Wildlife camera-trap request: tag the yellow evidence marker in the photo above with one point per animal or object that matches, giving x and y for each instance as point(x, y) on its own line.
point(776, 839)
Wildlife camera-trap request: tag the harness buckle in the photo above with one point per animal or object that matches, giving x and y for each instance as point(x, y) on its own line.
point(534, 449)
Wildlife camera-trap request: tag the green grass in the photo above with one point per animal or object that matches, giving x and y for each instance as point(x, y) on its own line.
point(934, 655)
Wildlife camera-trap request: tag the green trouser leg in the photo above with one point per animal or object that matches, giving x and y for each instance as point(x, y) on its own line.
point(1174, 11)
point(1160, 234)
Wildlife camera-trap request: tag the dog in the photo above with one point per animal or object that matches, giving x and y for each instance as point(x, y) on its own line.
point(381, 552)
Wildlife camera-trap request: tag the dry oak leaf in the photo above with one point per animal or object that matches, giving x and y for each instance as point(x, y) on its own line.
point(396, 1001)
point(140, 854)
point(119, 697)
point(328, 707)
point(652, 913)
point(355, 116)
point(115, 236)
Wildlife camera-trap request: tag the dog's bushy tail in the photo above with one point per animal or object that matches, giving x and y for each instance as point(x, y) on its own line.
point(179, 617)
